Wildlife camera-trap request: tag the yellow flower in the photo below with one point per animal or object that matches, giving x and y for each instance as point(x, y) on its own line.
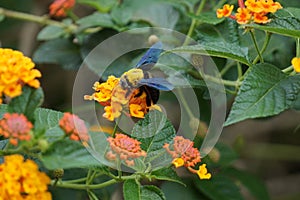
point(16, 70)
point(296, 64)
point(254, 6)
point(178, 162)
point(21, 179)
point(202, 172)
point(225, 11)
point(136, 110)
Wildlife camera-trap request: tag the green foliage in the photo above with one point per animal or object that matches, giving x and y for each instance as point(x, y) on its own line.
point(167, 174)
point(50, 33)
point(27, 102)
point(131, 190)
point(266, 91)
point(65, 54)
point(151, 192)
point(68, 154)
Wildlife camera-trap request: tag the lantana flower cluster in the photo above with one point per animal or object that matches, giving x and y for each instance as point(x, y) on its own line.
point(184, 154)
point(16, 71)
point(74, 127)
point(111, 95)
point(16, 127)
point(21, 179)
point(59, 7)
point(250, 11)
point(124, 148)
point(296, 64)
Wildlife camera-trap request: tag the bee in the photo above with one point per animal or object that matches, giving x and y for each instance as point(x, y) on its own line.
point(140, 77)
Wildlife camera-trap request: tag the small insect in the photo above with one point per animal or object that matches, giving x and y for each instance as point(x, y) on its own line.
point(140, 77)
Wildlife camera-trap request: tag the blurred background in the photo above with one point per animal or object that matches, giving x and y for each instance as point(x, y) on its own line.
point(268, 148)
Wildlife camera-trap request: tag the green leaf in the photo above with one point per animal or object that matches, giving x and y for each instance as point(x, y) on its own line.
point(46, 118)
point(157, 14)
point(207, 17)
point(167, 174)
point(131, 190)
point(50, 32)
point(121, 15)
point(96, 19)
point(219, 187)
point(287, 26)
point(2, 17)
point(176, 191)
point(288, 12)
point(218, 49)
point(3, 144)
point(68, 154)
point(3, 109)
point(265, 91)
point(100, 5)
point(153, 132)
point(251, 182)
point(59, 51)
point(27, 102)
point(151, 192)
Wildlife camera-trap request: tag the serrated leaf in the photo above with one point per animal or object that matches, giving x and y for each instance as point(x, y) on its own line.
point(288, 12)
point(167, 174)
point(287, 26)
point(151, 192)
point(27, 102)
point(255, 186)
point(219, 187)
point(207, 17)
point(50, 32)
point(46, 118)
point(96, 19)
point(218, 49)
point(59, 51)
point(153, 131)
point(131, 190)
point(68, 154)
point(265, 91)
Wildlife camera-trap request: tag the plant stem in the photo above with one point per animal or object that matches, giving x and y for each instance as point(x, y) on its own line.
point(222, 81)
point(64, 184)
point(240, 71)
point(193, 23)
point(290, 68)
point(76, 180)
point(33, 18)
point(264, 47)
point(226, 68)
point(116, 127)
point(256, 46)
point(298, 47)
point(185, 104)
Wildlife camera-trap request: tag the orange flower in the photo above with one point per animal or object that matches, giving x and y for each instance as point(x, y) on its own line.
point(251, 10)
point(225, 11)
point(254, 6)
point(260, 18)
point(183, 148)
point(16, 70)
point(16, 127)
point(74, 127)
point(296, 64)
point(21, 179)
point(59, 7)
point(243, 16)
point(124, 148)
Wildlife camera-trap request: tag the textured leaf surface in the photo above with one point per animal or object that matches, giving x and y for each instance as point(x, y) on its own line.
point(27, 102)
point(151, 192)
point(167, 174)
point(50, 32)
point(218, 49)
point(288, 26)
point(266, 91)
point(207, 17)
point(131, 190)
point(96, 19)
point(68, 154)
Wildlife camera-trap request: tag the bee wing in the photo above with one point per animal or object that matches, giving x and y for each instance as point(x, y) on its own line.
point(150, 57)
point(157, 83)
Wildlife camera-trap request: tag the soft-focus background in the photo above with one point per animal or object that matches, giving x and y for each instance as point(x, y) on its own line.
point(269, 148)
